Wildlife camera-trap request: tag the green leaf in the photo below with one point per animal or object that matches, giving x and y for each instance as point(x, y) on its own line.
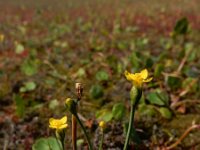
point(191, 72)
point(19, 48)
point(190, 84)
point(134, 60)
point(122, 45)
point(28, 86)
point(20, 104)
point(53, 104)
point(102, 76)
point(41, 144)
point(165, 112)
point(149, 63)
point(118, 111)
point(96, 91)
point(79, 142)
point(146, 110)
point(158, 97)
point(81, 72)
point(181, 26)
point(174, 82)
point(158, 70)
point(104, 114)
point(30, 67)
point(47, 144)
point(119, 68)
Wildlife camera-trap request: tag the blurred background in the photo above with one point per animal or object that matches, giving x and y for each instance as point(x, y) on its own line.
point(47, 46)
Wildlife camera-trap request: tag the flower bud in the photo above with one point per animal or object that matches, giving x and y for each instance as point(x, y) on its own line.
point(71, 106)
point(135, 95)
point(102, 125)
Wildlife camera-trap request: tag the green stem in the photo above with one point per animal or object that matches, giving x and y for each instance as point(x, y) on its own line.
point(63, 145)
point(57, 140)
point(84, 130)
point(101, 142)
point(131, 119)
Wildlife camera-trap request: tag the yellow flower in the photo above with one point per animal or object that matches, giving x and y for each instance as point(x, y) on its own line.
point(138, 78)
point(58, 124)
point(102, 124)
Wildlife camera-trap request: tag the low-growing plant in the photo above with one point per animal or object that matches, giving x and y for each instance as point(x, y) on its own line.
point(137, 79)
point(60, 125)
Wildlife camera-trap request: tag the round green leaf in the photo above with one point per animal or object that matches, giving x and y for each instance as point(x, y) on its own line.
point(96, 91)
point(155, 98)
point(181, 26)
point(28, 86)
point(47, 144)
point(104, 114)
point(102, 76)
point(118, 111)
point(165, 112)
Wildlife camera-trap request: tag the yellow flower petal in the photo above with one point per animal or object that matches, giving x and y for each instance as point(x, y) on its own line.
point(51, 121)
point(127, 75)
point(58, 123)
point(148, 80)
point(138, 78)
point(130, 76)
point(52, 126)
point(63, 126)
point(144, 74)
point(63, 120)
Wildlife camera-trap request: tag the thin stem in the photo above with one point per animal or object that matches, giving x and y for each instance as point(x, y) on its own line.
point(84, 130)
point(183, 136)
point(101, 142)
point(131, 119)
point(62, 135)
point(79, 90)
point(74, 127)
point(57, 140)
point(63, 144)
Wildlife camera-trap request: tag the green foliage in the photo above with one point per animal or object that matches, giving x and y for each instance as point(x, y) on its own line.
point(134, 60)
point(47, 144)
point(19, 48)
point(159, 68)
point(181, 26)
point(165, 112)
point(134, 136)
point(149, 63)
point(96, 91)
point(158, 97)
point(81, 72)
point(80, 142)
point(28, 86)
point(174, 82)
point(122, 45)
point(20, 105)
point(118, 111)
point(30, 66)
point(191, 72)
point(104, 114)
point(146, 110)
point(53, 104)
point(102, 75)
